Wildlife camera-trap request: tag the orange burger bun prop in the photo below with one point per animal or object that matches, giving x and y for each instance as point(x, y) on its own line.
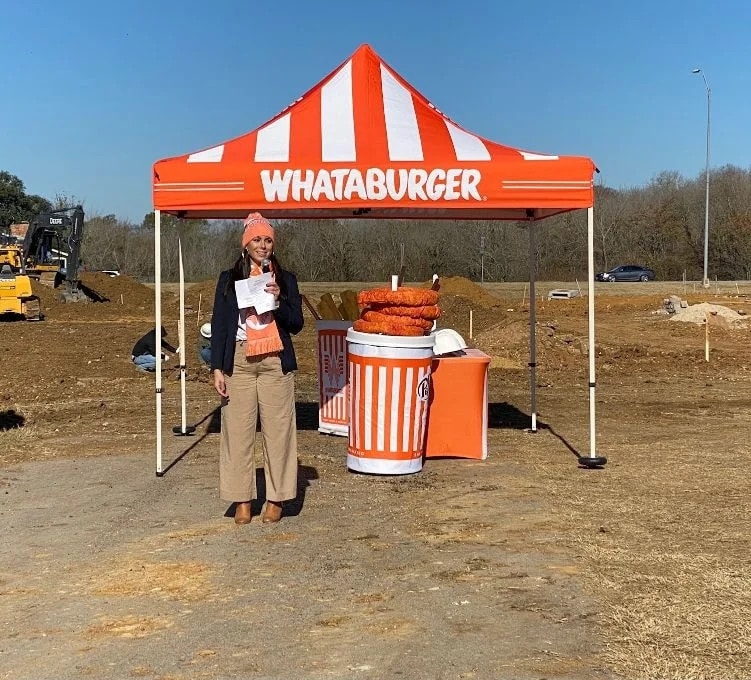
point(429, 312)
point(404, 296)
point(383, 328)
point(378, 317)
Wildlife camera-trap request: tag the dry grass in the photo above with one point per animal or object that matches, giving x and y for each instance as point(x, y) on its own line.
point(21, 436)
point(674, 615)
point(665, 538)
point(18, 441)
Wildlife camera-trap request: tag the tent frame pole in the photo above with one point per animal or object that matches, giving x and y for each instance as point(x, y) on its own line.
point(532, 325)
point(593, 460)
point(157, 334)
point(183, 429)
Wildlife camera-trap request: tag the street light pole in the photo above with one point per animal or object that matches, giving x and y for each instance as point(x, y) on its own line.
point(706, 200)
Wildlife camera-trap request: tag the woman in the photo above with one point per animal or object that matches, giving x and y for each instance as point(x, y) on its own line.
point(252, 359)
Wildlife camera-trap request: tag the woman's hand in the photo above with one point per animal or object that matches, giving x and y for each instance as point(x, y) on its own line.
point(219, 385)
point(272, 287)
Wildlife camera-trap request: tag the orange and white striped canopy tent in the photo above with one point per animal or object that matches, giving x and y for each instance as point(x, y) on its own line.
point(364, 143)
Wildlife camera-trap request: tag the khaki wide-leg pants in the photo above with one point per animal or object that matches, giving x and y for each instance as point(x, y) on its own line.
point(258, 384)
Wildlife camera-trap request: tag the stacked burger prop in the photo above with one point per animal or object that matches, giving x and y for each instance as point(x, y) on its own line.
point(404, 311)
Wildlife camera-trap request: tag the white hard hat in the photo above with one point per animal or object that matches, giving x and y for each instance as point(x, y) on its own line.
point(447, 340)
point(206, 330)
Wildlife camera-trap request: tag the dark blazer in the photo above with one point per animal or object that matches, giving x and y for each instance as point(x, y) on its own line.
point(288, 316)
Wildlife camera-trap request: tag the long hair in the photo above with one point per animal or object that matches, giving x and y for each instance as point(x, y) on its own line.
point(241, 270)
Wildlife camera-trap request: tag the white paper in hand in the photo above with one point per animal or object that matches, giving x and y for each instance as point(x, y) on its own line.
point(251, 293)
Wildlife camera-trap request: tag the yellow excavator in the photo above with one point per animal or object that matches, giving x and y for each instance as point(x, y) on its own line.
point(16, 296)
point(17, 299)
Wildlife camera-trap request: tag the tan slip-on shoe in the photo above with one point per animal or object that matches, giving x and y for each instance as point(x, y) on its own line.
point(242, 513)
point(273, 512)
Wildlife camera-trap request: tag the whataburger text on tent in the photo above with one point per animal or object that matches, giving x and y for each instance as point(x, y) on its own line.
point(375, 184)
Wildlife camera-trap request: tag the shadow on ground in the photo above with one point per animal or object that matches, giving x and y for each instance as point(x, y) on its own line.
point(292, 508)
point(10, 420)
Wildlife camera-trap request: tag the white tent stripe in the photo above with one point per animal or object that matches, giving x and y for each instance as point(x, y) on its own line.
point(212, 155)
point(338, 118)
point(402, 132)
point(537, 156)
point(272, 142)
point(548, 182)
point(545, 185)
point(466, 146)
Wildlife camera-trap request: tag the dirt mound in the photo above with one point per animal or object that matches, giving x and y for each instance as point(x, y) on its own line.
point(123, 297)
point(508, 343)
point(460, 286)
point(199, 295)
point(699, 313)
point(457, 297)
point(455, 311)
point(48, 296)
point(122, 290)
point(504, 336)
point(199, 302)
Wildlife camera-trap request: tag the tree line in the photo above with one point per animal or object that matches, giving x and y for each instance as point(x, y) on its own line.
point(659, 225)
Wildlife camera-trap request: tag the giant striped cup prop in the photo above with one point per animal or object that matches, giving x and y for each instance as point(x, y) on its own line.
point(388, 391)
point(333, 401)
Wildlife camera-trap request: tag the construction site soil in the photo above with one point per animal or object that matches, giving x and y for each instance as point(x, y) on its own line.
point(523, 566)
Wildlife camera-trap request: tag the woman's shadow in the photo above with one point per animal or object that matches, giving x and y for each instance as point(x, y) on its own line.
point(293, 507)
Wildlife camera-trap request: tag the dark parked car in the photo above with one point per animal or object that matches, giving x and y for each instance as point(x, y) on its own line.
point(627, 272)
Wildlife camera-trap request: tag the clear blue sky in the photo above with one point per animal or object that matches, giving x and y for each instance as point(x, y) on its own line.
point(94, 92)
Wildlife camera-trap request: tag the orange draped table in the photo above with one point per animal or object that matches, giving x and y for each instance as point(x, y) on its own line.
point(458, 408)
